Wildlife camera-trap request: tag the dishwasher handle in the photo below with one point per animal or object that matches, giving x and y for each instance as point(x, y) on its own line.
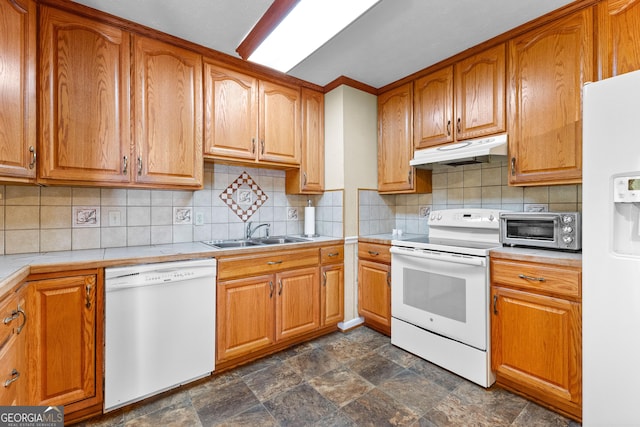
point(439, 256)
point(158, 277)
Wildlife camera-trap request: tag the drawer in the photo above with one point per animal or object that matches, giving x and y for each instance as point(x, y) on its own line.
point(9, 360)
point(332, 254)
point(8, 322)
point(266, 263)
point(542, 278)
point(374, 252)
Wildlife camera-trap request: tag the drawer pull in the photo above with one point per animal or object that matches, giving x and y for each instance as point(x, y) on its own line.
point(535, 279)
point(334, 254)
point(374, 253)
point(274, 262)
point(14, 377)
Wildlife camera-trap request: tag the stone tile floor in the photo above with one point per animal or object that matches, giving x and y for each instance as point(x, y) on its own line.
point(342, 379)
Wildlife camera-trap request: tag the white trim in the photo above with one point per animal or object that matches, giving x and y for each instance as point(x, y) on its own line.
point(344, 326)
point(351, 240)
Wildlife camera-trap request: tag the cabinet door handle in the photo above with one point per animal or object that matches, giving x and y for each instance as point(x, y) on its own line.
point(513, 166)
point(88, 295)
point(448, 127)
point(389, 279)
point(14, 377)
point(324, 278)
point(373, 253)
point(280, 290)
point(125, 165)
point(33, 157)
point(458, 125)
point(271, 289)
point(495, 304)
point(535, 279)
point(304, 178)
point(410, 176)
point(262, 146)
point(253, 145)
point(20, 311)
point(139, 165)
point(274, 262)
point(9, 319)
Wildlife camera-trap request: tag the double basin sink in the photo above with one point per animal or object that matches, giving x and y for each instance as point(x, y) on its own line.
point(260, 241)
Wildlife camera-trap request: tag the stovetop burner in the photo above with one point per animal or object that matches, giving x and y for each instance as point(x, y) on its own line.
point(463, 231)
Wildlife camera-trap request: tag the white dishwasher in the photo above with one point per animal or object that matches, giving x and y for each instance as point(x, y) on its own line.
point(160, 328)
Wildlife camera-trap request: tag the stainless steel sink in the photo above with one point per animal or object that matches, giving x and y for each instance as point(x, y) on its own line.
point(222, 244)
point(260, 241)
point(279, 240)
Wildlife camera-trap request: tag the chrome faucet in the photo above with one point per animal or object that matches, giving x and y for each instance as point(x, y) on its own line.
point(249, 231)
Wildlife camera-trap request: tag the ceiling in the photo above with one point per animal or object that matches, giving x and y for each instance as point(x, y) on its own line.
point(393, 39)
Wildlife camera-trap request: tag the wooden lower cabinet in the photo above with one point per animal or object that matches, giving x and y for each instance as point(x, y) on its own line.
point(66, 341)
point(332, 289)
point(536, 332)
point(374, 286)
point(266, 302)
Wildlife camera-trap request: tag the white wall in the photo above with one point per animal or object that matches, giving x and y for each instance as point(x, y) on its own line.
point(350, 163)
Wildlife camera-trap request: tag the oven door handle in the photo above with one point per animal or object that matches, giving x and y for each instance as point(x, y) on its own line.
point(439, 256)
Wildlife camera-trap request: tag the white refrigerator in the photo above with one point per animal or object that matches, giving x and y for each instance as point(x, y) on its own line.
point(611, 252)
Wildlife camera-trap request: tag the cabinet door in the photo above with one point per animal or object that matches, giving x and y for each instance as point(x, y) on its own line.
point(547, 69)
point(536, 346)
point(84, 81)
point(17, 90)
point(231, 113)
point(618, 35)
point(245, 313)
point(279, 124)
point(168, 114)
point(309, 179)
point(480, 94)
point(433, 109)
point(66, 341)
point(332, 294)
point(374, 294)
point(395, 148)
point(297, 303)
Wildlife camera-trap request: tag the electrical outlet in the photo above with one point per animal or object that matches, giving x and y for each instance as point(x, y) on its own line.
point(536, 207)
point(199, 218)
point(114, 218)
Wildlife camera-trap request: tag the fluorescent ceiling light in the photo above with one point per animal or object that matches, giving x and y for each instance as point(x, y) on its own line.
point(307, 27)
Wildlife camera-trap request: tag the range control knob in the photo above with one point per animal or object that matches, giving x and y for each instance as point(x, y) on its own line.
point(491, 217)
point(567, 239)
point(567, 219)
point(439, 217)
point(567, 229)
point(433, 216)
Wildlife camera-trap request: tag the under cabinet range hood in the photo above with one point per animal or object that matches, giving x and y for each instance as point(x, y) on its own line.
point(482, 150)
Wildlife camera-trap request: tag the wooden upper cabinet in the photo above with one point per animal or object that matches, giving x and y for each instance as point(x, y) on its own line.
point(231, 113)
point(479, 83)
point(17, 90)
point(433, 109)
point(84, 81)
point(618, 35)
point(279, 123)
point(547, 68)
point(249, 120)
point(395, 147)
point(168, 114)
point(309, 178)
point(465, 100)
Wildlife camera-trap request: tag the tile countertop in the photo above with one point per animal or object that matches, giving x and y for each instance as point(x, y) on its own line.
point(14, 269)
point(538, 255)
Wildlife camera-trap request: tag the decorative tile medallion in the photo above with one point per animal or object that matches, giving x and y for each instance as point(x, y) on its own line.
point(244, 196)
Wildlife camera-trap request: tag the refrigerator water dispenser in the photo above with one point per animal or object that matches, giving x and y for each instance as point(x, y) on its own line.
point(626, 215)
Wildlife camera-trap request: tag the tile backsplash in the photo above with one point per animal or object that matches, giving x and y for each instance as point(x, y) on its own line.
point(470, 186)
point(44, 219)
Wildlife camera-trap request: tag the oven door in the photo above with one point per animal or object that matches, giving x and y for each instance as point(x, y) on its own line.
point(441, 292)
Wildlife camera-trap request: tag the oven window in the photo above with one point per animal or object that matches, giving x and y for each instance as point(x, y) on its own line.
point(530, 229)
point(434, 293)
